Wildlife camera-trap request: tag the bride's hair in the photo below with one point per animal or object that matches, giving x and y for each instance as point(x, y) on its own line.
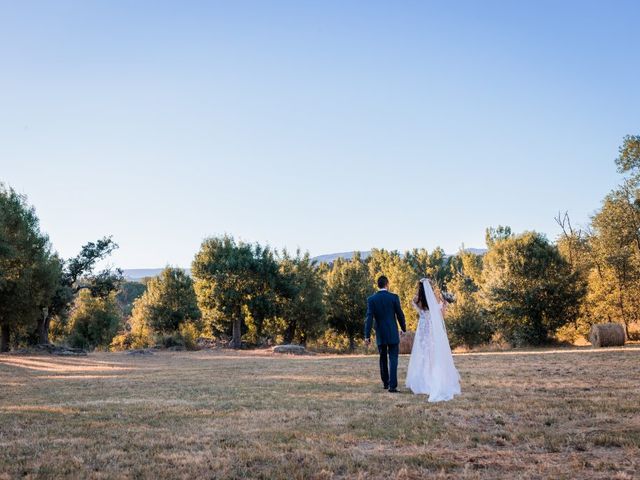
point(422, 297)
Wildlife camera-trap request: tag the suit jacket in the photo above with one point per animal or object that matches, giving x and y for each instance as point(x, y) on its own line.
point(383, 310)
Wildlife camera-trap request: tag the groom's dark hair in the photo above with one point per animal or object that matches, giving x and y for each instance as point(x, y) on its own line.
point(382, 281)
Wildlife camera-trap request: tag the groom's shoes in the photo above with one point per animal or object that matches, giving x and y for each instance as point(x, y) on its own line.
point(386, 387)
point(393, 390)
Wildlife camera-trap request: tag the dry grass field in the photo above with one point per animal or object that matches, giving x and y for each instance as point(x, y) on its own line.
point(544, 414)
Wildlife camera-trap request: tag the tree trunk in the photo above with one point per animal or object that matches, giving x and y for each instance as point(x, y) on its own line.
point(237, 333)
point(352, 343)
point(626, 329)
point(290, 332)
point(4, 338)
point(43, 329)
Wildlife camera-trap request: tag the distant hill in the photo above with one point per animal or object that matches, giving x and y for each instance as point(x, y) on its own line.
point(476, 251)
point(137, 274)
point(332, 257)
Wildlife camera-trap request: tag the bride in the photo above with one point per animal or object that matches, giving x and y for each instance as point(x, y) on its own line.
point(431, 369)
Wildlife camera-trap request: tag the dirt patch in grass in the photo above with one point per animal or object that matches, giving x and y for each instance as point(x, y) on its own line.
point(218, 414)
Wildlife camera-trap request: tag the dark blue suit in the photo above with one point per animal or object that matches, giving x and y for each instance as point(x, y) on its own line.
point(383, 311)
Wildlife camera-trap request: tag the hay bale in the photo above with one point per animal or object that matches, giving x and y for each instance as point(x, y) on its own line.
point(607, 335)
point(406, 342)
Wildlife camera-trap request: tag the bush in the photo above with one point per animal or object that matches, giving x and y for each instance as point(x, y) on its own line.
point(122, 341)
point(94, 321)
point(130, 341)
point(170, 340)
point(467, 324)
point(135, 335)
point(190, 334)
point(573, 333)
point(58, 329)
point(336, 342)
point(185, 338)
point(139, 335)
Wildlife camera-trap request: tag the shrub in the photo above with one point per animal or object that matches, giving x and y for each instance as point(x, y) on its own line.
point(467, 324)
point(94, 321)
point(185, 338)
point(136, 334)
point(170, 340)
point(189, 333)
point(122, 341)
point(335, 342)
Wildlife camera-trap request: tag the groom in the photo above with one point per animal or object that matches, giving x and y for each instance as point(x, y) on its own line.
point(383, 309)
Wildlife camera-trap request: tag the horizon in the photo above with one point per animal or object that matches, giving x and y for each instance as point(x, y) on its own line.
point(316, 257)
point(326, 127)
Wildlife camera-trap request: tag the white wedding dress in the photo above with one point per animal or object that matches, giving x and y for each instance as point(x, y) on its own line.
point(431, 368)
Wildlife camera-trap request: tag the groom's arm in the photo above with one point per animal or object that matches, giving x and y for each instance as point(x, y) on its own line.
point(369, 320)
point(399, 314)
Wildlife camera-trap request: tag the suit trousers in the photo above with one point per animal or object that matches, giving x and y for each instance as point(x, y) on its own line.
point(389, 364)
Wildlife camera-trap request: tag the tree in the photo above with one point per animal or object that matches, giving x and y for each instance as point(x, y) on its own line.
point(228, 275)
point(435, 265)
point(614, 285)
point(528, 288)
point(467, 321)
point(575, 247)
point(494, 235)
point(168, 302)
point(302, 308)
point(128, 293)
point(606, 256)
point(628, 160)
point(94, 320)
point(28, 267)
point(403, 278)
point(348, 286)
point(270, 287)
point(471, 269)
point(78, 274)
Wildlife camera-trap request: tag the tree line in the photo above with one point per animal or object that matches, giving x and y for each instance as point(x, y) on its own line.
point(525, 290)
point(605, 255)
point(37, 286)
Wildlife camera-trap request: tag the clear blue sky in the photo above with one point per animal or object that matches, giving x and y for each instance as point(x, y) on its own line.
point(326, 125)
